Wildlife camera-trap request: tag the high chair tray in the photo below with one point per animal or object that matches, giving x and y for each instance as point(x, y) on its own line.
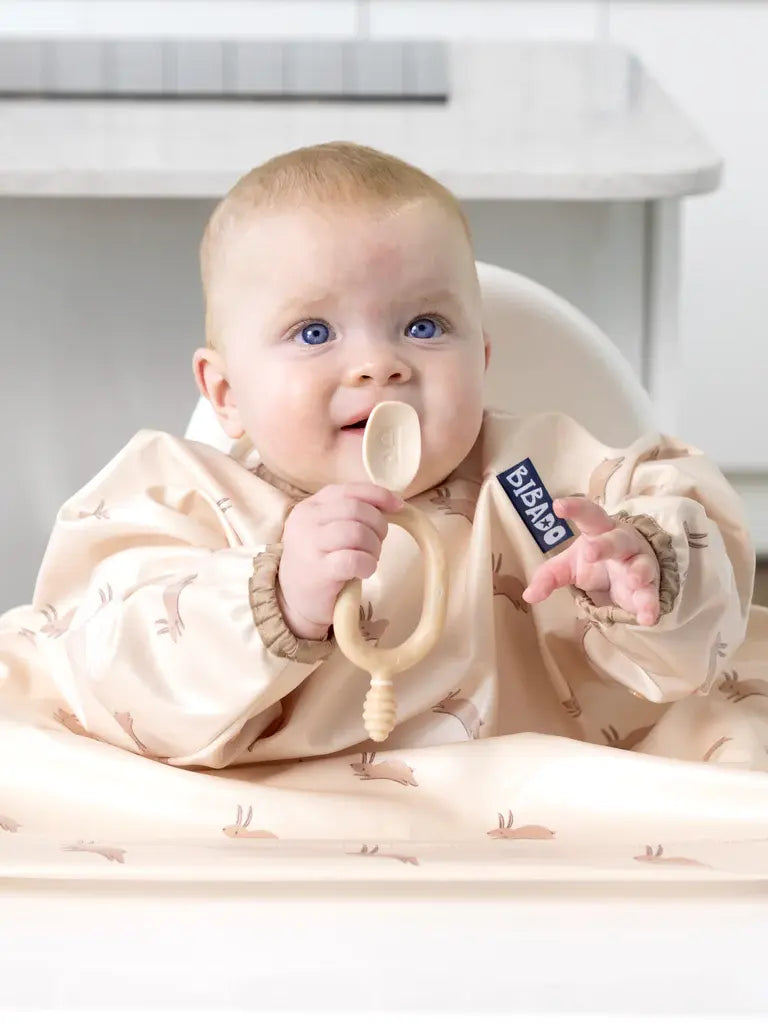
point(385, 950)
point(408, 864)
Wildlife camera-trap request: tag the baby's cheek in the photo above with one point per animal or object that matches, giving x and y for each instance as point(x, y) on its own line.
point(294, 435)
point(451, 432)
point(459, 409)
point(283, 433)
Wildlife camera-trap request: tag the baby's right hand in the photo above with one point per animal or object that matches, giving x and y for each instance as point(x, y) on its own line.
point(329, 539)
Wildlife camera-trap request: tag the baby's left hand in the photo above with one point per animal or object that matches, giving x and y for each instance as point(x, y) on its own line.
point(612, 562)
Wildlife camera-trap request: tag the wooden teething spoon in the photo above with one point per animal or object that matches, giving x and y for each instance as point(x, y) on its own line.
point(391, 455)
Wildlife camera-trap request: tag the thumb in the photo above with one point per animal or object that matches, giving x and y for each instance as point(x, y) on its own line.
point(557, 572)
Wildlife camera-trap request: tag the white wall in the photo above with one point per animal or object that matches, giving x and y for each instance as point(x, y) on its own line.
point(243, 18)
point(187, 18)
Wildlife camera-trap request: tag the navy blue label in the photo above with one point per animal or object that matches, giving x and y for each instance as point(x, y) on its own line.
point(533, 504)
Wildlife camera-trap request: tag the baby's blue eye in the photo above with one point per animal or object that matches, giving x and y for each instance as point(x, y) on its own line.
point(315, 334)
point(425, 328)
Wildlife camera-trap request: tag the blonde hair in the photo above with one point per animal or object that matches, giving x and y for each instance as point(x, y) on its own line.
point(333, 173)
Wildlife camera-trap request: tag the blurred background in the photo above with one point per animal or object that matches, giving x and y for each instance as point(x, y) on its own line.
point(615, 151)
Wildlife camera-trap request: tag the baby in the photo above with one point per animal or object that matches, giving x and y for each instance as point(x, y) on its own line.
point(184, 605)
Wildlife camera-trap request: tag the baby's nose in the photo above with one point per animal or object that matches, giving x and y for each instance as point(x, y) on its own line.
point(382, 368)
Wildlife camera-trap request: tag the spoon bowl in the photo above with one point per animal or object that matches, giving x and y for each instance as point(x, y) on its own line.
point(392, 446)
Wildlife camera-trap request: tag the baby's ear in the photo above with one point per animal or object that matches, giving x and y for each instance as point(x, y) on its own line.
point(210, 373)
point(487, 344)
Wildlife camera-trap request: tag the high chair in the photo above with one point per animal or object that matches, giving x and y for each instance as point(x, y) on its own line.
point(474, 949)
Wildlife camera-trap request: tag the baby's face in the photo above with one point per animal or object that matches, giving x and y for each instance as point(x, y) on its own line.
point(328, 312)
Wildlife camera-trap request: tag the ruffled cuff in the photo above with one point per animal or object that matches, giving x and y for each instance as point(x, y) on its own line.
point(669, 580)
point(268, 619)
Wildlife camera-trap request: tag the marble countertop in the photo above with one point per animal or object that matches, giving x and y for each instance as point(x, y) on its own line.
point(526, 120)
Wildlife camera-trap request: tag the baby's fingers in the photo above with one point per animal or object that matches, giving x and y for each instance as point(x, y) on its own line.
point(556, 573)
point(349, 534)
point(642, 570)
point(647, 606)
point(344, 565)
point(351, 495)
point(618, 544)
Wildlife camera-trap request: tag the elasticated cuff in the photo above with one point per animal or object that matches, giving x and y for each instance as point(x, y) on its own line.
point(669, 581)
point(268, 619)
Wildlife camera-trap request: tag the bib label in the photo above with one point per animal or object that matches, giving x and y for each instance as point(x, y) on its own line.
point(533, 504)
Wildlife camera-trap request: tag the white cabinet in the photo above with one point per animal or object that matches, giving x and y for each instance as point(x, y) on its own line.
point(486, 19)
point(456, 19)
point(137, 19)
point(711, 58)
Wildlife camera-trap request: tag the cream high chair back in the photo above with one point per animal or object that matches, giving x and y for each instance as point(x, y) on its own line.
point(546, 355)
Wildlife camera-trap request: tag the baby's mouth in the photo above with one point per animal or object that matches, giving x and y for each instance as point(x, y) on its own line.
point(357, 427)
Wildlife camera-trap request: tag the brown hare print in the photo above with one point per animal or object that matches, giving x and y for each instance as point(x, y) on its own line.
point(507, 831)
point(711, 751)
point(113, 853)
point(664, 453)
point(718, 650)
point(71, 722)
point(453, 506)
point(100, 512)
point(508, 586)
point(670, 451)
point(374, 852)
point(371, 629)
point(240, 828)
point(651, 455)
point(656, 856)
point(8, 824)
point(224, 506)
point(598, 481)
point(695, 540)
point(173, 624)
point(55, 626)
point(391, 771)
point(571, 706)
point(463, 710)
point(736, 690)
point(627, 742)
point(125, 720)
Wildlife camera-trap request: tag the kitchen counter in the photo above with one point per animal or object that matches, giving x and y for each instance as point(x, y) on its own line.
point(525, 120)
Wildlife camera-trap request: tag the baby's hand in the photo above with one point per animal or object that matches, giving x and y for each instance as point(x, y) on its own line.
point(330, 538)
point(612, 562)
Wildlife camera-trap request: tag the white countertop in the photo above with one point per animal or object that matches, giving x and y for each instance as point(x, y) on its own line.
point(525, 121)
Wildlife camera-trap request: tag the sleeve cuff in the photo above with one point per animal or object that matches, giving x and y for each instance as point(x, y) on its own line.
point(268, 619)
point(669, 580)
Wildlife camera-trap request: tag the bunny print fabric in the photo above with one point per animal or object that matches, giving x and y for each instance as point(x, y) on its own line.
point(154, 643)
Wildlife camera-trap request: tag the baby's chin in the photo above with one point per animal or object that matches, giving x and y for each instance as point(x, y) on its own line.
point(347, 467)
point(429, 477)
point(424, 481)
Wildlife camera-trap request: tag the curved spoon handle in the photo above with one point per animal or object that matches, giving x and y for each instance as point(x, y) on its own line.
point(384, 662)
